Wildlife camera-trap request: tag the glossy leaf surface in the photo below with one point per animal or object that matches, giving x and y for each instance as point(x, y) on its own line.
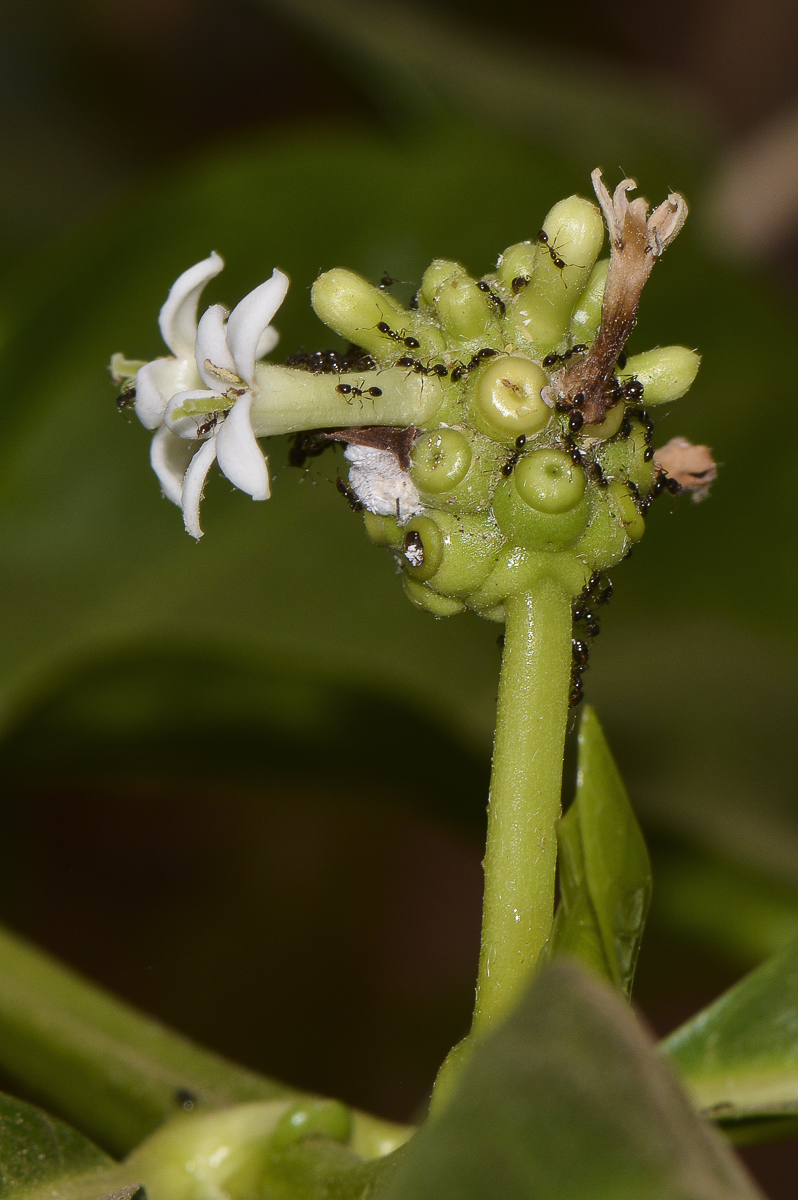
point(605, 873)
point(739, 1056)
point(566, 1099)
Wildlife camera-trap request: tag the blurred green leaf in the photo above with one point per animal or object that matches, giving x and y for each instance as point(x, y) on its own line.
point(566, 1099)
point(605, 873)
point(739, 1056)
point(41, 1154)
point(417, 62)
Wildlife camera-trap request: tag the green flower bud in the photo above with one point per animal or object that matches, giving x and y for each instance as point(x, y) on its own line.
point(465, 312)
point(313, 1118)
point(609, 426)
point(517, 264)
point(586, 317)
point(440, 460)
point(567, 249)
point(436, 274)
point(354, 308)
point(507, 399)
point(544, 503)
point(621, 501)
point(431, 602)
point(666, 374)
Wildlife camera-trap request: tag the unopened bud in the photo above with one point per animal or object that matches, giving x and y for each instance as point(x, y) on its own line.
point(666, 373)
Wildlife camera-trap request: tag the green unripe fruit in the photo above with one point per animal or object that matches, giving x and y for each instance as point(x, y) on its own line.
point(313, 1118)
point(544, 503)
point(621, 501)
point(666, 374)
point(586, 317)
point(423, 548)
point(383, 531)
point(507, 398)
point(440, 460)
point(457, 551)
point(549, 481)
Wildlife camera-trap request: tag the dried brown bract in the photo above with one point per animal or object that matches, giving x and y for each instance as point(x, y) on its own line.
point(636, 242)
point(693, 467)
point(378, 437)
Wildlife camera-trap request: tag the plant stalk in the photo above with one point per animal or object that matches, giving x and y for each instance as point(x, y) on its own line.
point(525, 796)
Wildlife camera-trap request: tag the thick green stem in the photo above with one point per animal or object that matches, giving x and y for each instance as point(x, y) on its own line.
point(526, 781)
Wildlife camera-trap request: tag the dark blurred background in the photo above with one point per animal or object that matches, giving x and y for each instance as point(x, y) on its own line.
point(165, 889)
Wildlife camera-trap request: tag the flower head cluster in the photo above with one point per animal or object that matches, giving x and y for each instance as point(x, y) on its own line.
point(210, 372)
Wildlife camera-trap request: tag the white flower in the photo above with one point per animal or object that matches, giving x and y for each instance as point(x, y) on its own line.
point(157, 381)
point(220, 354)
point(226, 351)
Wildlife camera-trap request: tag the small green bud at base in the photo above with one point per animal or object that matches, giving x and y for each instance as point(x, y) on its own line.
point(666, 373)
point(507, 401)
point(440, 460)
point(383, 531)
point(313, 1118)
point(440, 606)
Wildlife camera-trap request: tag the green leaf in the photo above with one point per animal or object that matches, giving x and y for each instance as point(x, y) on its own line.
point(605, 873)
point(39, 1153)
point(739, 1056)
point(568, 1099)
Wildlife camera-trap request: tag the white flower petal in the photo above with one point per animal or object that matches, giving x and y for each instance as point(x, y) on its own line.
point(240, 457)
point(249, 321)
point(268, 340)
point(155, 384)
point(193, 483)
point(178, 317)
point(212, 348)
point(186, 427)
point(170, 456)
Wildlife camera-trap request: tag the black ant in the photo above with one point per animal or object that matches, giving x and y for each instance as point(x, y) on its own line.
point(126, 398)
point(465, 368)
point(209, 424)
point(350, 494)
point(411, 342)
point(509, 466)
point(621, 361)
point(350, 389)
point(575, 421)
point(552, 359)
point(574, 453)
point(559, 263)
point(386, 283)
point(494, 299)
point(418, 367)
point(305, 446)
point(519, 283)
point(580, 655)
